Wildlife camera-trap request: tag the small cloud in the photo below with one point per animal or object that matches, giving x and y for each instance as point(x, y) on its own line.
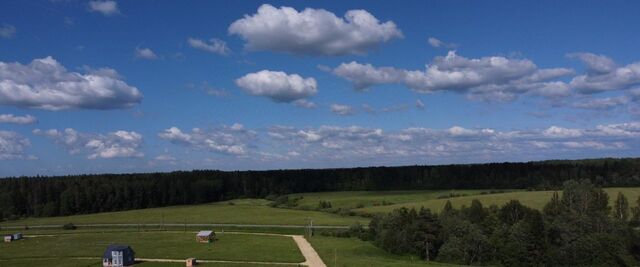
point(419, 104)
point(303, 103)
point(145, 53)
point(342, 110)
point(278, 86)
point(10, 118)
point(107, 8)
point(7, 31)
point(437, 43)
point(215, 46)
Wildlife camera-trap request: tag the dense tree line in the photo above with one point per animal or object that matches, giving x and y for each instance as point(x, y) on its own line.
point(576, 229)
point(53, 196)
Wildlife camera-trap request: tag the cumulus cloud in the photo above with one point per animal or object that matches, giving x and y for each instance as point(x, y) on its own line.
point(10, 118)
point(458, 143)
point(278, 86)
point(13, 146)
point(342, 110)
point(313, 31)
point(229, 140)
point(490, 78)
point(214, 45)
point(107, 8)
point(330, 145)
point(7, 31)
point(46, 84)
point(118, 144)
point(604, 75)
point(145, 53)
point(437, 43)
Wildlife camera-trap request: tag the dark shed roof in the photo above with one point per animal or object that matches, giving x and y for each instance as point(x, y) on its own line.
point(127, 250)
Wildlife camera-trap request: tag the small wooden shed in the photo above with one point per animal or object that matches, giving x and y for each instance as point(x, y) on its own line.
point(206, 236)
point(191, 262)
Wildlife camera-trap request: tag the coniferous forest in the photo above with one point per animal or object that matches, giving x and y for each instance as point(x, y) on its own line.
point(575, 229)
point(81, 194)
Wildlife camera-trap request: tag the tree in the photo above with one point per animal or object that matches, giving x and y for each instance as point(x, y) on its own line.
point(621, 208)
point(465, 245)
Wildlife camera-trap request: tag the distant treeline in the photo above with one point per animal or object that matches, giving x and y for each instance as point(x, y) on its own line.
point(54, 196)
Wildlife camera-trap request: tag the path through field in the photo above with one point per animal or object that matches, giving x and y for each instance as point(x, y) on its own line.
point(310, 254)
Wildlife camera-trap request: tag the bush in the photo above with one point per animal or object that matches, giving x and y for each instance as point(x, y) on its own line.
point(69, 226)
point(324, 204)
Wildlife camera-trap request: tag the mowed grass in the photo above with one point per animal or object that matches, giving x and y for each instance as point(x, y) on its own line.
point(353, 252)
point(156, 245)
point(244, 211)
point(63, 262)
point(533, 199)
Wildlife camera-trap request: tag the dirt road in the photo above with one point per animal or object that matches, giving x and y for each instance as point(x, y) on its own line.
point(310, 254)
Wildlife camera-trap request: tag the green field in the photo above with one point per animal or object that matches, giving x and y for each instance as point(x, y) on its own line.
point(371, 202)
point(533, 199)
point(155, 245)
point(245, 211)
point(353, 252)
point(355, 199)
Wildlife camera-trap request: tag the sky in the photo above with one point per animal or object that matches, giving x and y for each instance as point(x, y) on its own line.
point(146, 86)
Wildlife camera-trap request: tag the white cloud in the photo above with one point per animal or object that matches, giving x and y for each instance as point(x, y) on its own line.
point(555, 131)
point(303, 103)
point(489, 78)
point(342, 110)
point(10, 118)
point(46, 84)
point(13, 146)
point(604, 75)
point(329, 145)
point(437, 43)
point(107, 8)
point(278, 86)
point(229, 140)
point(7, 31)
point(419, 104)
point(145, 53)
point(118, 144)
point(215, 46)
point(164, 157)
point(605, 103)
point(313, 31)
point(595, 63)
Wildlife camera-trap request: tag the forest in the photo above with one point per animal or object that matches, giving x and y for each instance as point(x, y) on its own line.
point(575, 229)
point(81, 194)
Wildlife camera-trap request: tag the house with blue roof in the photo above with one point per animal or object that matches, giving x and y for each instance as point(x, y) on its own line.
point(118, 256)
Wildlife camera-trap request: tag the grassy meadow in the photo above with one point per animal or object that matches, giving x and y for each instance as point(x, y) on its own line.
point(372, 202)
point(353, 252)
point(157, 245)
point(242, 211)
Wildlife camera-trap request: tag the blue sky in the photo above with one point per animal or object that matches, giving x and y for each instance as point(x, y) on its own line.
point(138, 86)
